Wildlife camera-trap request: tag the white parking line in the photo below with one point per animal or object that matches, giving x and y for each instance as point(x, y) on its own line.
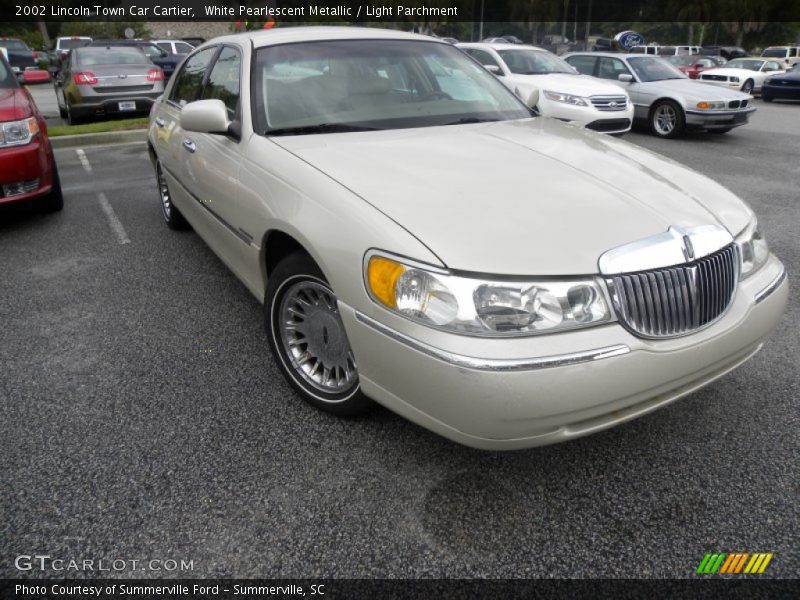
point(115, 223)
point(84, 161)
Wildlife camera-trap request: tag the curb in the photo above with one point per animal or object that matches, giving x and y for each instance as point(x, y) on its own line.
point(93, 139)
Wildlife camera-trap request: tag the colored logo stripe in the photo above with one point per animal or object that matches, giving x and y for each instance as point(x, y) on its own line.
point(733, 563)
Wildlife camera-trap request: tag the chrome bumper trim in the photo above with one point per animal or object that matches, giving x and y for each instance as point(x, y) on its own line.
point(774, 285)
point(496, 364)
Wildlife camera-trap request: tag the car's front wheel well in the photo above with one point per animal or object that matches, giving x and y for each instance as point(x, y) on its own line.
point(277, 246)
point(152, 153)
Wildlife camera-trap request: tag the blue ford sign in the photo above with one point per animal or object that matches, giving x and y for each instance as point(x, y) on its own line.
point(628, 39)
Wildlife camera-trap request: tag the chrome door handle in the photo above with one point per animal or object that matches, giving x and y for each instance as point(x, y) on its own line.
point(159, 121)
point(189, 145)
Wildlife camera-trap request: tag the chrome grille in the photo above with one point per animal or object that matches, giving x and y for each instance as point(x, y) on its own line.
point(676, 300)
point(609, 103)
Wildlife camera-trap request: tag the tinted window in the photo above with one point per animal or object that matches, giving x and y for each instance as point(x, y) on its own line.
point(71, 43)
point(89, 57)
point(187, 85)
point(482, 56)
point(15, 45)
point(7, 78)
point(774, 52)
point(166, 47)
point(584, 64)
point(667, 50)
point(611, 68)
point(223, 81)
point(151, 50)
point(183, 48)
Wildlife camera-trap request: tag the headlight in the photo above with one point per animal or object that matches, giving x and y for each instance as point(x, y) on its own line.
point(705, 105)
point(566, 98)
point(735, 79)
point(484, 306)
point(752, 248)
point(18, 133)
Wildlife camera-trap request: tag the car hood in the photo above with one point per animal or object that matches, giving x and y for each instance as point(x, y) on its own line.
point(14, 104)
point(528, 197)
point(741, 73)
point(579, 85)
point(693, 89)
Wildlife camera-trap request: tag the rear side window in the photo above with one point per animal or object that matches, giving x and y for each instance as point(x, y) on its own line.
point(224, 79)
point(187, 85)
point(584, 64)
point(611, 68)
point(166, 47)
point(482, 56)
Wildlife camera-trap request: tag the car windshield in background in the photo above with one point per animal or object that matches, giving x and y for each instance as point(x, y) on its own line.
point(742, 63)
point(774, 53)
point(534, 62)
point(651, 68)
point(89, 57)
point(7, 78)
point(354, 85)
point(70, 44)
point(14, 45)
point(684, 60)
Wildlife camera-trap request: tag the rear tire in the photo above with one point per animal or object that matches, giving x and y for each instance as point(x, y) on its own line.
point(72, 118)
point(667, 120)
point(54, 201)
point(307, 337)
point(172, 216)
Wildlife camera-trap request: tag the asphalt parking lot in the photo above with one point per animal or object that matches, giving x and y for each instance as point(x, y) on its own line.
point(143, 418)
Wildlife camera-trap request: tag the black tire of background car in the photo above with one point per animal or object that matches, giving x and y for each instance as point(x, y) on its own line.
point(62, 110)
point(54, 201)
point(680, 120)
point(747, 86)
point(298, 267)
point(72, 118)
point(172, 216)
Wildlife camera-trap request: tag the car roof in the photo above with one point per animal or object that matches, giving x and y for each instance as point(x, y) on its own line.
point(288, 35)
point(613, 54)
point(498, 46)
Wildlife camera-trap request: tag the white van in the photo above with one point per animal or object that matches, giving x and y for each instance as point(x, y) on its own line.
point(789, 54)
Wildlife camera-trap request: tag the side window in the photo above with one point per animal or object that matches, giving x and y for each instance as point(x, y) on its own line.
point(187, 85)
point(224, 79)
point(482, 56)
point(584, 64)
point(772, 66)
point(793, 52)
point(165, 46)
point(183, 48)
point(611, 68)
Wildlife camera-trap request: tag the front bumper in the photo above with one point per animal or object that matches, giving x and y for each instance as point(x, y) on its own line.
point(25, 164)
point(787, 92)
point(524, 392)
point(618, 121)
point(723, 119)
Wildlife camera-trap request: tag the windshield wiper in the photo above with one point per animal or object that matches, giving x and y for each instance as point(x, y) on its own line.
point(467, 120)
point(319, 128)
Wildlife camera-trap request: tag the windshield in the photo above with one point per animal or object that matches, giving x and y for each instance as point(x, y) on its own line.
point(73, 43)
point(88, 57)
point(533, 62)
point(774, 52)
point(743, 63)
point(682, 60)
point(651, 68)
point(15, 45)
point(367, 84)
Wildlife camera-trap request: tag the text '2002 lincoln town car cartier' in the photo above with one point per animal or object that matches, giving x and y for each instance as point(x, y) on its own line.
point(419, 238)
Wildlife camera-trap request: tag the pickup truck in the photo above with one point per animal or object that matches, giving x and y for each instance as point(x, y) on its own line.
point(20, 56)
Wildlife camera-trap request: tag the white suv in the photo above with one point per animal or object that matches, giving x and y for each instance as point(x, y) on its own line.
point(563, 93)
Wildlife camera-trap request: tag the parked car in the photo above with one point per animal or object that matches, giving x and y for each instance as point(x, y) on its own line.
point(663, 97)
point(649, 49)
point(726, 52)
point(166, 61)
point(692, 65)
point(782, 87)
point(349, 193)
point(505, 39)
point(678, 50)
point(174, 46)
point(562, 92)
point(28, 169)
point(746, 74)
point(106, 80)
point(19, 56)
point(789, 55)
point(65, 44)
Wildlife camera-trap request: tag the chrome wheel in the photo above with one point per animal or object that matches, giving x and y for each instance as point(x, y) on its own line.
point(665, 118)
point(163, 192)
point(313, 338)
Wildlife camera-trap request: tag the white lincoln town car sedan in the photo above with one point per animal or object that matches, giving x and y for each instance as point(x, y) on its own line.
point(419, 238)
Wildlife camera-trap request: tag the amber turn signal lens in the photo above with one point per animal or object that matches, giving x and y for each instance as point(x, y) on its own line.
point(383, 275)
point(702, 104)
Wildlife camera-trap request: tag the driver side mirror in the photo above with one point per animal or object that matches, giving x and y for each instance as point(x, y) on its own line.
point(494, 70)
point(205, 116)
point(625, 77)
point(530, 97)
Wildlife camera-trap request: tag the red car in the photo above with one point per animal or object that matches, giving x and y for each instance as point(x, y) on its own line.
point(27, 167)
point(693, 65)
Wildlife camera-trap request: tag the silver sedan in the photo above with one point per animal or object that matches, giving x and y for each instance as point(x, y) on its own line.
point(663, 97)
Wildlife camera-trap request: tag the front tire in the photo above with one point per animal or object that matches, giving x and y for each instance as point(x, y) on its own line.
point(667, 120)
point(307, 337)
point(54, 201)
point(172, 216)
point(747, 86)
